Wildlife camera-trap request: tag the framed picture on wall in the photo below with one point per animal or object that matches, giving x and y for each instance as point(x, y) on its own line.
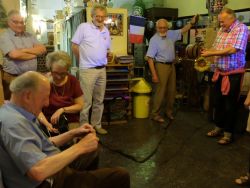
point(114, 24)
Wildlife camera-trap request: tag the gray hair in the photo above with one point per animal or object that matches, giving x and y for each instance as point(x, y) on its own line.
point(12, 13)
point(161, 20)
point(58, 57)
point(100, 7)
point(228, 11)
point(26, 81)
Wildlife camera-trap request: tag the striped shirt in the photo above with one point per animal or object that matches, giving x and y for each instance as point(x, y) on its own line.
point(236, 37)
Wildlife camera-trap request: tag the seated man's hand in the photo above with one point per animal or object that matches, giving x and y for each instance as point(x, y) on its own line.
point(88, 143)
point(83, 130)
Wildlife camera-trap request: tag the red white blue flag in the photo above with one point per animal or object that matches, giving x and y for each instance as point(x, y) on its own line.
point(136, 29)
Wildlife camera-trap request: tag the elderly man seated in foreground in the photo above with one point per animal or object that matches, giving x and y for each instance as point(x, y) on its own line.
point(29, 159)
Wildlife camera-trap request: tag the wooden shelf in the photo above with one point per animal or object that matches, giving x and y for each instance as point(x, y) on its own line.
point(118, 86)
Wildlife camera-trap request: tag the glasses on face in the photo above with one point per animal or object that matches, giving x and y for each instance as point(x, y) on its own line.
point(100, 17)
point(16, 22)
point(61, 74)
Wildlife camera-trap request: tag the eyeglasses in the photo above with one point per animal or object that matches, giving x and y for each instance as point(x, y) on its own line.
point(100, 17)
point(61, 74)
point(18, 22)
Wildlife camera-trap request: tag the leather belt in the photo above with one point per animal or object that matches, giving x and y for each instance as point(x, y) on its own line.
point(98, 67)
point(165, 63)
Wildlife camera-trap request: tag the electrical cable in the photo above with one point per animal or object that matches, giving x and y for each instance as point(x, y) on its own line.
point(133, 158)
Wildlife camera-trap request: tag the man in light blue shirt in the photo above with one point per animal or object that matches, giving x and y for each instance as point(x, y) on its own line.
point(161, 54)
point(28, 159)
point(90, 45)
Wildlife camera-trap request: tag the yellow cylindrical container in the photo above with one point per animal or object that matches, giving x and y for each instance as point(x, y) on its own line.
point(141, 98)
point(141, 105)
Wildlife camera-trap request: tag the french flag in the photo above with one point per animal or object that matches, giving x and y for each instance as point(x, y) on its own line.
point(136, 29)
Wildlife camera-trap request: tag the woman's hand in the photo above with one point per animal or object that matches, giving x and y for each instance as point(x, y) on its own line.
point(55, 117)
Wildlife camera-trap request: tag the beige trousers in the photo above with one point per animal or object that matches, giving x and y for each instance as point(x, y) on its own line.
point(165, 90)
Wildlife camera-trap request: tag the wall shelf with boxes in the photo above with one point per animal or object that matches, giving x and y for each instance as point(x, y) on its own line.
point(117, 100)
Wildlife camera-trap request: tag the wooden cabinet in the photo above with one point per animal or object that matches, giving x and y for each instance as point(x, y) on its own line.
point(156, 13)
point(117, 100)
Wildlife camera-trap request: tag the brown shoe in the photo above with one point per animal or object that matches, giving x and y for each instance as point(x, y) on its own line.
point(158, 118)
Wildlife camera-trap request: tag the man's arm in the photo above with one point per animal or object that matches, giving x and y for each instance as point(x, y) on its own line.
point(213, 52)
point(19, 55)
point(151, 65)
point(189, 25)
point(37, 49)
point(27, 53)
point(53, 164)
point(69, 135)
point(75, 50)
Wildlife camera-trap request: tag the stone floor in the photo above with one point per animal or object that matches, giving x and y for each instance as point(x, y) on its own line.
point(176, 154)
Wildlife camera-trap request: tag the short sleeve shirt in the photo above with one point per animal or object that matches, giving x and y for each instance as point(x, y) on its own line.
point(93, 45)
point(236, 37)
point(64, 96)
point(162, 48)
point(8, 42)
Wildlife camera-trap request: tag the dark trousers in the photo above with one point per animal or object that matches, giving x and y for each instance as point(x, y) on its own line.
point(83, 173)
point(226, 105)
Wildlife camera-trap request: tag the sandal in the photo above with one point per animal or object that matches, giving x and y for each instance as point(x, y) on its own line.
point(225, 140)
point(158, 119)
point(243, 180)
point(214, 133)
